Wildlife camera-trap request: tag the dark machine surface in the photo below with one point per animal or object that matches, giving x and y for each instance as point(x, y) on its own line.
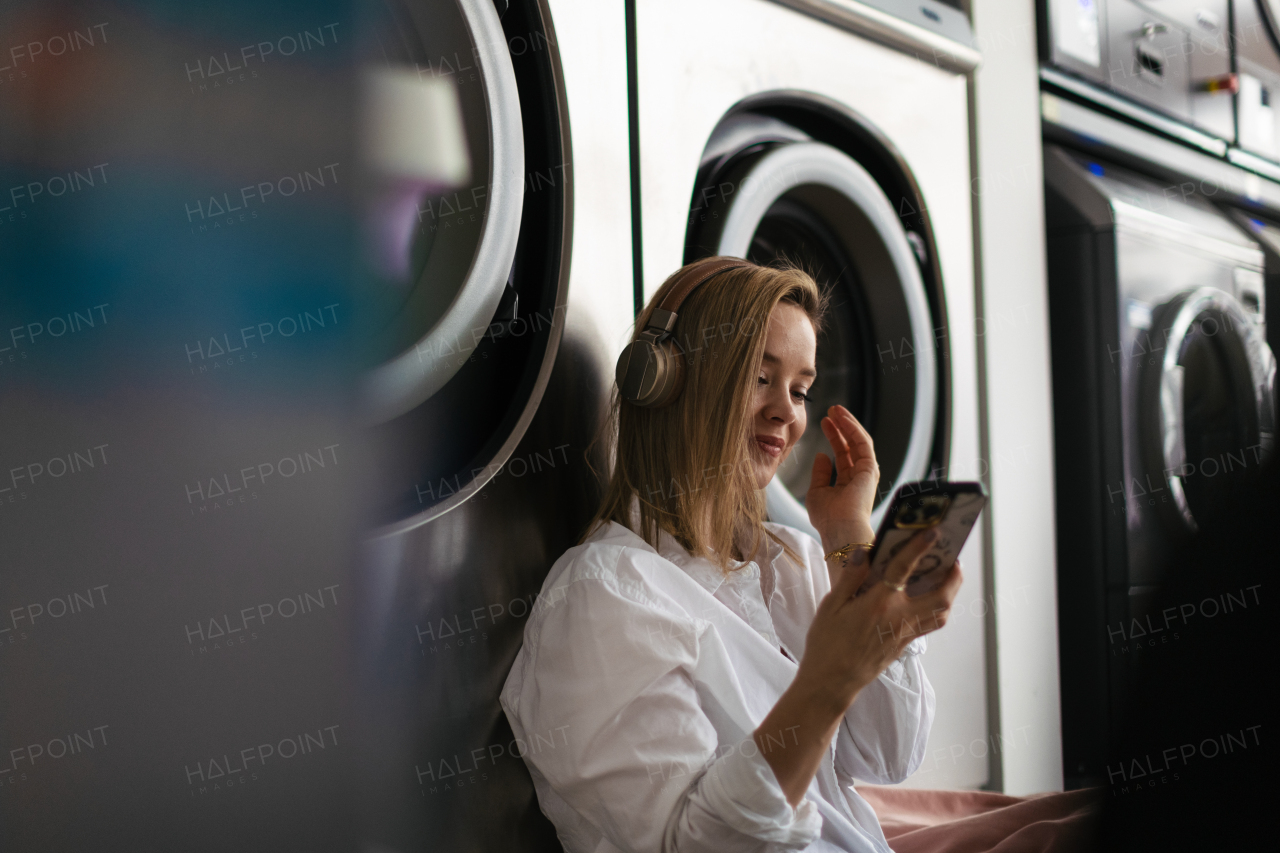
point(1156, 415)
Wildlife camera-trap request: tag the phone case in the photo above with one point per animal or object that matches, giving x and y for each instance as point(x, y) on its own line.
point(952, 508)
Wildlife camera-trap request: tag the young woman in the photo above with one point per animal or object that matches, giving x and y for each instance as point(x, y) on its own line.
point(695, 678)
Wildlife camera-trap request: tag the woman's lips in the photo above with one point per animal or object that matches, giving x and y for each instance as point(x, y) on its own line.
point(771, 445)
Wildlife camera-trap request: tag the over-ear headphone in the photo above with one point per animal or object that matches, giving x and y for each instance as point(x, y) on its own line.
point(650, 371)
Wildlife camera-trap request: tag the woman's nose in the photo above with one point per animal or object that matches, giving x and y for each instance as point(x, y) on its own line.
point(778, 406)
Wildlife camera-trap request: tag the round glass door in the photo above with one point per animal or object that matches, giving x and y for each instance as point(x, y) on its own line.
point(809, 204)
point(791, 231)
point(1208, 405)
point(470, 277)
point(440, 254)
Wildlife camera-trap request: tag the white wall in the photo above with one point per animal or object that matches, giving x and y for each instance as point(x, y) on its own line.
point(1014, 336)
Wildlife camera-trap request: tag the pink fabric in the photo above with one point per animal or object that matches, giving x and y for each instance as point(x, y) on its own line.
point(924, 821)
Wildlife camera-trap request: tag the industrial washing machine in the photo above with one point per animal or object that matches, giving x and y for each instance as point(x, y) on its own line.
point(1161, 190)
point(597, 138)
point(816, 137)
point(1163, 397)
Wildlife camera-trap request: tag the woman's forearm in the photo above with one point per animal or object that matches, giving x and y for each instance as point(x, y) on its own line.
point(804, 720)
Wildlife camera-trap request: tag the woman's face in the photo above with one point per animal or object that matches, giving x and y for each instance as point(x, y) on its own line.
point(782, 381)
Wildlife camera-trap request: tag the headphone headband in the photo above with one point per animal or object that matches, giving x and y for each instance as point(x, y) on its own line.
point(664, 316)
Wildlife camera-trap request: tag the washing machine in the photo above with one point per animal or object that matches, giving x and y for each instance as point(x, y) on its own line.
point(1164, 397)
point(502, 301)
point(797, 135)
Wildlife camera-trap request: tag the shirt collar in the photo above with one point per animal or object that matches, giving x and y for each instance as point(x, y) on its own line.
point(706, 573)
point(703, 571)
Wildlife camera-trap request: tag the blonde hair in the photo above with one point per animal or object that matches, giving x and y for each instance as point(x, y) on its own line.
point(689, 461)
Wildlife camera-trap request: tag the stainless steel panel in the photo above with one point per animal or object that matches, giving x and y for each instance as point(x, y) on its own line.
point(1148, 58)
point(1081, 127)
point(927, 29)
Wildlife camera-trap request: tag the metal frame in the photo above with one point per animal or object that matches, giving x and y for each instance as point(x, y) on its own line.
point(923, 29)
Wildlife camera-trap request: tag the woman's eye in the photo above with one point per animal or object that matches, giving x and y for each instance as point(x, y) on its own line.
point(762, 381)
point(802, 395)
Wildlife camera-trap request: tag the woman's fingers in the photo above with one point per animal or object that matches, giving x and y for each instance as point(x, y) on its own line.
point(821, 475)
point(939, 600)
point(857, 436)
point(929, 612)
point(855, 451)
point(840, 449)
point(906, 560)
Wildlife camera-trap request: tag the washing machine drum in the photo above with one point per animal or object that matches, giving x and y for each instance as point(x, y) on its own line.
point(1208, 403)
point(809, 204)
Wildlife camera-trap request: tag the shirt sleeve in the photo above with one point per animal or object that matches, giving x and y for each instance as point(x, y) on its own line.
point(883, 735)
point(641, 762)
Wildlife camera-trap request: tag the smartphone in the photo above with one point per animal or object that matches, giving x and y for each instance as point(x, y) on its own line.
point(952, 508)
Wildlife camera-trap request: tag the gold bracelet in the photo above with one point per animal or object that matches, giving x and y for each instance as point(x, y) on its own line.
point(845, 551)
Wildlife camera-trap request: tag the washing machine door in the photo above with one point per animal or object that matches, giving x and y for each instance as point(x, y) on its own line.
point(470, 278)
point(444, 256)
point(810, 204)
point(454, 540)
point(1208, 404)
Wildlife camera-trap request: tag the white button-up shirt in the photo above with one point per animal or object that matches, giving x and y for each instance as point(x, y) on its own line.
point(645, 673)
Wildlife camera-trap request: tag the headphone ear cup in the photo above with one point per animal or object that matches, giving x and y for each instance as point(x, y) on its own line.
point(668, 376)
point(633, 364)
point(650, 374)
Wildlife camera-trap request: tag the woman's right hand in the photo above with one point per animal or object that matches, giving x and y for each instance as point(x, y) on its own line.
point(852, 640)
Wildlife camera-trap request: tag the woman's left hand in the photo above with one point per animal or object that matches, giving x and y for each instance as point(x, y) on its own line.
point(842, 512)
